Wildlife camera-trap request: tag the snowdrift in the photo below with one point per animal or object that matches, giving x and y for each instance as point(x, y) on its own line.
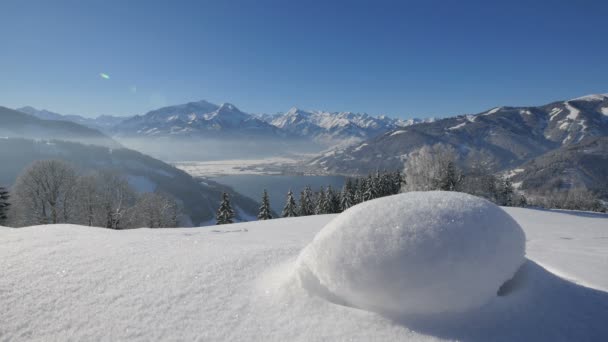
point(234, 283)
point(415, 253)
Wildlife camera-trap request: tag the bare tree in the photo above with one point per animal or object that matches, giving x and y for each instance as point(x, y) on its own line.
point(116, 199)
point(154, 210)
point(44, 193)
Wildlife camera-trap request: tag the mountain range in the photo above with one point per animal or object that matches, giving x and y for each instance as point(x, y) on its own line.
point(25, 139)
point(206, 120)
point(515, 140)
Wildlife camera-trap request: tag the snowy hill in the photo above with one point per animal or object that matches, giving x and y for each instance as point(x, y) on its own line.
point(231, 283)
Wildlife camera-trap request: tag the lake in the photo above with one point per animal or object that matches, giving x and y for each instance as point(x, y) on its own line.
point(277, 186)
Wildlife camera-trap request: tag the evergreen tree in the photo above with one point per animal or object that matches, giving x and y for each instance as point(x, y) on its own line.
point(357, 191)
point(399, 182)
point(265, 212)
point(290, 209)
point(333, 201)
point(451, 179)
point(224, 214)
point(347, 195)
point(507, 193)
point(368, 189)
point(307, 205)
point(4, 204)
point(322, 206)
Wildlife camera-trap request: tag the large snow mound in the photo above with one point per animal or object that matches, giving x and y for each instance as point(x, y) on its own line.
point(416, 253)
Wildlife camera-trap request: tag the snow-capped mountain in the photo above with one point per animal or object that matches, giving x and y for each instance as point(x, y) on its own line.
point(195, 119)
point(102, 122)
point(508, 136)
point(335, 128)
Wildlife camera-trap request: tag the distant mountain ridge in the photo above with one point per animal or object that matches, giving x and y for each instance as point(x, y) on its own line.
point(102, 122)
point(508, 136)
point(331, 128)
point(195, 119)
point(208, 120)
point(16, 124)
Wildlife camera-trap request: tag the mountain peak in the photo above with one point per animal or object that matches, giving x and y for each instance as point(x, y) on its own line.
point(228, 107)
point(591, 97)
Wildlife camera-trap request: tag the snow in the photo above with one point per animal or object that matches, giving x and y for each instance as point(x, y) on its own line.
point(397, 133)
point(573, 115)
point(262, 166)
point(554, 112)
point(593, 97)
point(360, 147)
point(416, 253)
point(492, 111)
point(68, 282)
point(525, 112)
point(460, 125)
point(604, 110)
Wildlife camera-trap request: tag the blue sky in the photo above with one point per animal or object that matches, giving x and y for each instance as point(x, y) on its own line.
point(401, 58)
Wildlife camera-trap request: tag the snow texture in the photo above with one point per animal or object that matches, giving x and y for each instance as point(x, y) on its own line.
point(415, 253)
point(74, 283)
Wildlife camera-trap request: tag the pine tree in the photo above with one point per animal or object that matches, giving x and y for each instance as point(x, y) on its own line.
point(450, 181)
point(265, 212)
point(290, 209)
point(346, 196)
point(224, 214)
point(507, 193)
point(4, 204)
point(333, 201)
point(321, 205)
point(357, 191)
point(307, 205)
point(368, 189)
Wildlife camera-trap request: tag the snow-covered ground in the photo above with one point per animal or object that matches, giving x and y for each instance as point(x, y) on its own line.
point(214, 168)
point(235, 283)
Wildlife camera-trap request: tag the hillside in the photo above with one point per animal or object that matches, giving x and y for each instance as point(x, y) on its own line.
point(232, 283)
point(15, 124)
point(583, 164)
point(510, 136)
point(145, 174)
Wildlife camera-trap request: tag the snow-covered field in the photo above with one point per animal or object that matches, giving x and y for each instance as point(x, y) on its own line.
point(214, 168)
point(235, 283)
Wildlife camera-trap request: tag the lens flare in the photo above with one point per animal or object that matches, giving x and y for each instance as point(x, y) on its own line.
point(104, 76)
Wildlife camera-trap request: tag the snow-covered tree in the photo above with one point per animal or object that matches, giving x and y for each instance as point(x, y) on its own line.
point(307, 204)
point(290, 209)
point(347, 195)
point(44, 193)
point(225, 213)
point(4, 205)
point(369, 193)
point(155, 210)
point(333, 201)
point(322, 205)
point(117, 198)
point(428, 167)
point(450, 179)
point(265, 211)
point(506, 192)
point(359, 189)
point(89, 206)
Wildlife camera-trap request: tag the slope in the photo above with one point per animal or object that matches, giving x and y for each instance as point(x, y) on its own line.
point(71, 282)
